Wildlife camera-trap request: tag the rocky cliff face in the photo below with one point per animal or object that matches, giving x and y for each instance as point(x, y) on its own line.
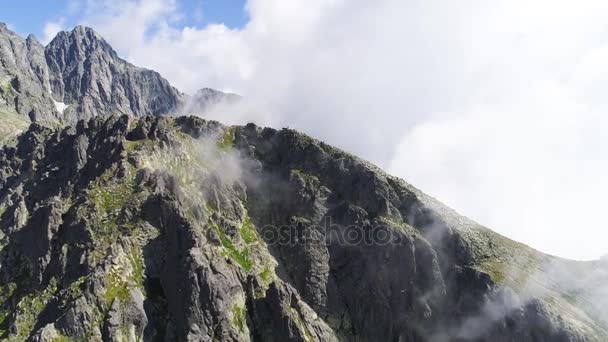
point(79, 76)
point(180, 229)
point(24, 78)
point(89, 77)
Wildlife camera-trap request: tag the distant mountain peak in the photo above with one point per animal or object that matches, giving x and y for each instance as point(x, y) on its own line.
point(205, 99)
point(82, 29)
point(31, 37)
point(83, 39)
point(85, 32)
point(213, 94)
point(78, 75)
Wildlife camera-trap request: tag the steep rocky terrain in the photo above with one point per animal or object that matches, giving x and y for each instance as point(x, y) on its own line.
point(24, 78)
point(181, 229)
point(79, 76)
point(89, 77)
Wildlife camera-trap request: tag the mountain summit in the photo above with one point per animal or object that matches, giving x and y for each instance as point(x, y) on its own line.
point(88, 76)
point(79, 76)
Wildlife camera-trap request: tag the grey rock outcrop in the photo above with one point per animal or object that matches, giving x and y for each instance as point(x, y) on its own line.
point(79, 76)
point(24, 78)
point(89, 77)
point(181, 229)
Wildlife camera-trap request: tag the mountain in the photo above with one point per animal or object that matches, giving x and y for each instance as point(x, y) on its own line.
point(89, 77)
point(79, 76)
point(205, 99)
point(24, 78)
point(126, 228)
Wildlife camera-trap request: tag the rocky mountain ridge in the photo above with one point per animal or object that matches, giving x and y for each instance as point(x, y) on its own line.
point(79, 76)
point(181, 229)
point(24, 78)
point(88, 76)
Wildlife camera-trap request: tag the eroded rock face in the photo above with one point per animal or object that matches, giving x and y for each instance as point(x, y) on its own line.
point(24, 78)
point(87, 74)
point(123, 229)
point(79, 76)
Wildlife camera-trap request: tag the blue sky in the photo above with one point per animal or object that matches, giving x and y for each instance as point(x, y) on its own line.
point(30, 16)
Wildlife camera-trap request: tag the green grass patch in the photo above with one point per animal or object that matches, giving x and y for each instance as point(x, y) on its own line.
point(507, 262)
point(7, 88)
point(109, 196)
point(248, 232)
point(3, 317)
point(495, 269)
point(109, 199)
point(76, 287)
point(267, 275)
point(305, 176)
point(137, 262)
point(7, 291)
point(239, 318)
point(116, 288)
point(60, 338)
point(138, 145)
point(240, 256)
point(226, 141)
point(30, 307)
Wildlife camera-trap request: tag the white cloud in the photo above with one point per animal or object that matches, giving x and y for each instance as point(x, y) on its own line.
point(531, 168)
point(50, 30)
point(495, 108)
point(525, 154)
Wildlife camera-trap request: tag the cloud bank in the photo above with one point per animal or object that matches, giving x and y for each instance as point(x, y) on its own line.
point(495, 108)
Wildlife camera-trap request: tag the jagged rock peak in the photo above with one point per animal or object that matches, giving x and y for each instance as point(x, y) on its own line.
point(85, 30)
point(31, 39)
point(78, 75)
point(89, 77)
point(83, 38)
